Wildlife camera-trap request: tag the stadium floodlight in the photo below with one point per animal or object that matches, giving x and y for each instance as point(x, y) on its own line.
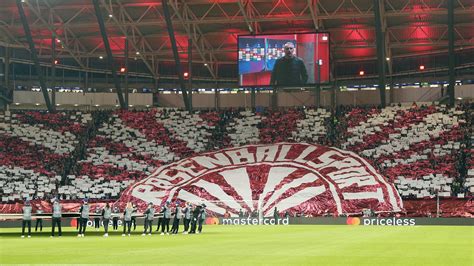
point(122, 69)
point(422, 67)
point(137, 53)
point(110, 15)
point(361, 73)
point(17, 103)
point(205, 64)
point(101, 57)
point(56, 62)
point(186, 74)
point(387, 58)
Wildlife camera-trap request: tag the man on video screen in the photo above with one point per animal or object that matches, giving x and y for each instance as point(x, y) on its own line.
point(289, 70)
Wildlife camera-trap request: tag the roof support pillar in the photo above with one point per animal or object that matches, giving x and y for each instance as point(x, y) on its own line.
point(451, 54)
point(126, 71)
point(177, 61)
point(39, 72)
point(110, 59)
point(380, 51)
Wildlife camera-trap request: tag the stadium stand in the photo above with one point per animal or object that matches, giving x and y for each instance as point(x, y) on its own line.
point(313, 127)
point(17, 183)
point(243, 128)
point(414, 147)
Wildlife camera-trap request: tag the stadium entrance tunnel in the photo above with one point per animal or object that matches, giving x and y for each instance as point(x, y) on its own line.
point(269, 180)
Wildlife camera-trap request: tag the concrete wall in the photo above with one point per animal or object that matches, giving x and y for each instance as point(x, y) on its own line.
point(68, 98)
point(241, 99)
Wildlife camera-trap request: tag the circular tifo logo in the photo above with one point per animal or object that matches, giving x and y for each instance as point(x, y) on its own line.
point(259, 178)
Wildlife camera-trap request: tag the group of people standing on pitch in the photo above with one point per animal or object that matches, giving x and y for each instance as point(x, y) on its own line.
point(27, 217)
point(107, 214)
point(192, 218)
point(177, 213)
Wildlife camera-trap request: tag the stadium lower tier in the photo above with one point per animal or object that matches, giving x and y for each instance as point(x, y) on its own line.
point(448, 207)
point(358, 158)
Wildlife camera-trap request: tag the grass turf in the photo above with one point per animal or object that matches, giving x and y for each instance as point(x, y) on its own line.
point(251, 245)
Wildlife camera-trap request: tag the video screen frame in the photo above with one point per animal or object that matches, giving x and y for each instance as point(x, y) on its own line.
point(324, 80)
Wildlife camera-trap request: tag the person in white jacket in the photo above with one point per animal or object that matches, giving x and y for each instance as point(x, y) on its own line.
point(106, 214)
point(56, 218)
point(27, 209)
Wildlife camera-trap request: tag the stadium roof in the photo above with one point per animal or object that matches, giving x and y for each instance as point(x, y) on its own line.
point(412, 28)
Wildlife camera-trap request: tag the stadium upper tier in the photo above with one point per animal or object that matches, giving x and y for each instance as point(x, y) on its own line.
point(422, 150)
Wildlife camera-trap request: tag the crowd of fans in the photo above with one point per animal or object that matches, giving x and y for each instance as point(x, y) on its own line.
point(424, 150)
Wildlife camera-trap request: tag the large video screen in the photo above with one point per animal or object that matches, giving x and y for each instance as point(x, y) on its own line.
point(283, 60)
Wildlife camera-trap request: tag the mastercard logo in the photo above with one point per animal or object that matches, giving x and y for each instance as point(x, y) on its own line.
point(353, 221)
point(73, 222)
point(212, 220)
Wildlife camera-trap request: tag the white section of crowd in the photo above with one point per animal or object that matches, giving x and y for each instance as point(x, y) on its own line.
point(17, 183)
point(133, 138)
point(433, 125)
point(244, 130)
point(100, 156)
point(312, 127)
point(187, 127)
point(95, 188)
point(427, 186)
point(372, 125)
point(53, 140)
point(57, 142)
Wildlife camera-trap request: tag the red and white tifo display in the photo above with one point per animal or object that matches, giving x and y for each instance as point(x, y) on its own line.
point(292, 177)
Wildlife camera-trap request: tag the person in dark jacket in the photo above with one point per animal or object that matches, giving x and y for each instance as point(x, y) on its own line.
point(202, 218)
point(276, 214)
point(195, 219)
point(289, 70)
point(56, 218)
point(26, 219)
point(39, 220)
point(115, 218)
point(160, 220)
point(98, 214)
point(166, 218)
point(177, 216)
point(134, 218)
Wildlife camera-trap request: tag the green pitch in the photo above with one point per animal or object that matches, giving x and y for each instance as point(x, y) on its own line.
point(251, 245)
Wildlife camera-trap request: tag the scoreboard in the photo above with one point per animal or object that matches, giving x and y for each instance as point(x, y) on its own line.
point(257, 55)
